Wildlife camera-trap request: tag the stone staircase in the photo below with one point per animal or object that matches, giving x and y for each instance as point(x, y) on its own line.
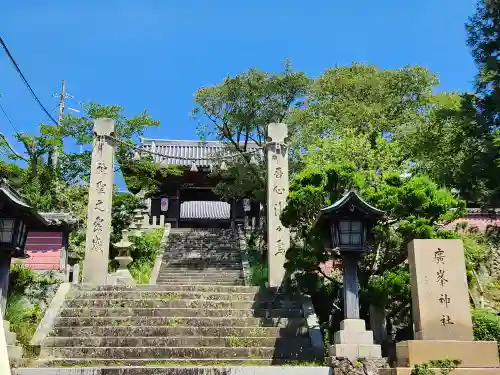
point(199, 314)
point(207, 257)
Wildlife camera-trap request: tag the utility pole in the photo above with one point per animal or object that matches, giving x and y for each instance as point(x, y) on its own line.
point(62, 97)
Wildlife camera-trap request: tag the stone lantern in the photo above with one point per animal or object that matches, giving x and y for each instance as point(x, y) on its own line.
point(137, 223)
point(346, 226)
point(124, 259)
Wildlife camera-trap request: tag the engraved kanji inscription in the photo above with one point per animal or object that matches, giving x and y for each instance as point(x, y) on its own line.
point(100, 187)
point(278, 172)
point(98, 205)
point(101, 168)
point(441, 279)
point(279, 190)
point(446, 320)
point(439, 256)
point(444, 300)
point(97, 243)
point(97, 224)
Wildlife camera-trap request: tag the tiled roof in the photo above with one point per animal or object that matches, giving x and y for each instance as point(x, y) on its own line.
point(59, 218)
point(214, 210)
point(201, 151)
point(15, 198)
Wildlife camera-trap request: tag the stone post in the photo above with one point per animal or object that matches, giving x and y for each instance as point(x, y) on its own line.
point(4, 355)
point(95, 264)
point(351, 294)
point(76, 274)
point(278, 237)
point(5, 260)
point(378, 323)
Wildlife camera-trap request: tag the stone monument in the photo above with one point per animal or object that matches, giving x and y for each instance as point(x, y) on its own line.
point(278, 237)
point(95, 264)
point(441, 312)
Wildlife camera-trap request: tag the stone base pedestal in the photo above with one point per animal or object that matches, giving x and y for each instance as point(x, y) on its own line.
point(354, 341)
point(122, 275)
point(472, 353)
point(15, 352)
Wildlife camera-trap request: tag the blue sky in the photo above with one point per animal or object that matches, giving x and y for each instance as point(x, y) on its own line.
point(155, 54)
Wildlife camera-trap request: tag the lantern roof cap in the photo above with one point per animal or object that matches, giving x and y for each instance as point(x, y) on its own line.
point(15, 199)
point(347, 202)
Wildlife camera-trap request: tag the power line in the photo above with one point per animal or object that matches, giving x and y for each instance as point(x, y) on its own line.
point(25, 80)
point(9, 146)
point(8, 119)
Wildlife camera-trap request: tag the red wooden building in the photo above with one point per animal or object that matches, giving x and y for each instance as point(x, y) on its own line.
point(48, 249)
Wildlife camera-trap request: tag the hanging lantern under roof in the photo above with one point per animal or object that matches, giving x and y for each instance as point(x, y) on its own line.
point(223, 166)
point(194, 168)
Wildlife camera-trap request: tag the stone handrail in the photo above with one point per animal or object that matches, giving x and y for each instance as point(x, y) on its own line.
point(145, 222)
point(159, 257)
point(4, 355)
point(313, 326)
point(49, 318)
point(242, 244)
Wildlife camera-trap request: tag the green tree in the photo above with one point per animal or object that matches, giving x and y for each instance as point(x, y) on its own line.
point(484, 39)
point(360, 99)
point(415, 206)
point(237, 112)
point(360, 128)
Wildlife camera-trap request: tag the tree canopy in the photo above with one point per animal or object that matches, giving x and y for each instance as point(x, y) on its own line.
point(237, 112)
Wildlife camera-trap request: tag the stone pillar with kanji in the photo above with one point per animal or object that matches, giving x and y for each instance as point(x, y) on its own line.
point(278, 237)
point(441, 312)
point(95, 264)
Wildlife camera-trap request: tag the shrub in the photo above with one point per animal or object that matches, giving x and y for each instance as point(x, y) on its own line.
point(29, 293)
point(486, 326)
point(259, 270)
point(144, 253)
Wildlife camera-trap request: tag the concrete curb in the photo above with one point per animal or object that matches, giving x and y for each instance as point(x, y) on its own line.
point(241, 370)
point(244, 256)
point(51, 314)
point(313, 326)
point(163, 243)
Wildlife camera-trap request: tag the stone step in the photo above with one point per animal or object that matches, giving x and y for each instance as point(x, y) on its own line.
point(176, 295)
point(180, 312)
point(214, 265)
point(176, 352)
point(191, 303)
point(191, 267)
point(129, 321)
point(156, 331)
point(206, 262)
point(202, 256)
point(184, 341)
point(198, 282)
point(202, 273)
point(203, 243)
point(210, 244)
point(179, 287)
point(194, 276)
point(173, 366)
point(168, 275)
point(202, 249)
